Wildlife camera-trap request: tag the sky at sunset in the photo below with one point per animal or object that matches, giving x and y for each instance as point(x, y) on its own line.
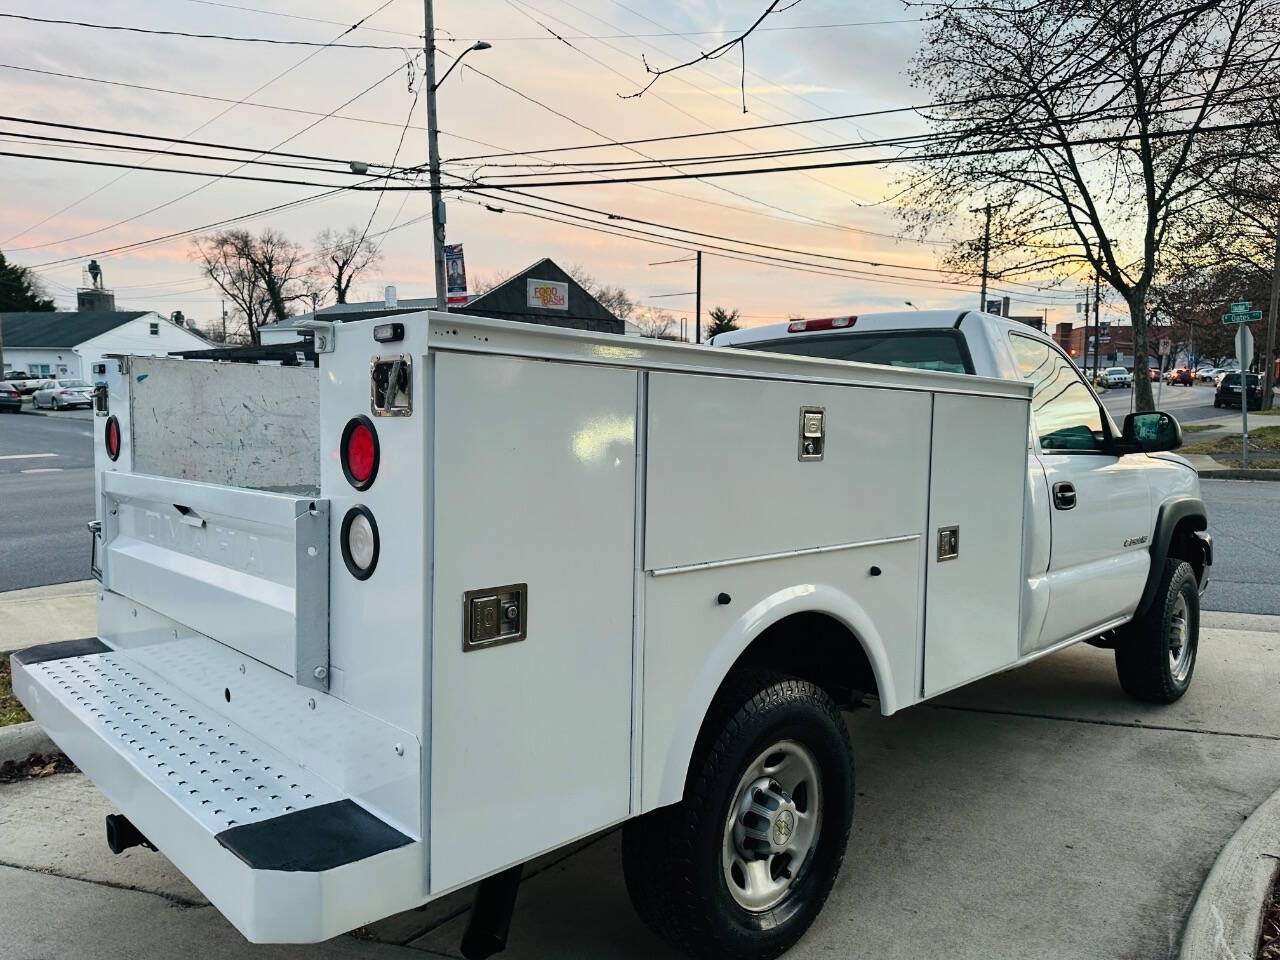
point(823, 68)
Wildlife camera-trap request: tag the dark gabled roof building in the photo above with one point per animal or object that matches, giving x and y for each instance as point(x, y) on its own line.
point(56, 328)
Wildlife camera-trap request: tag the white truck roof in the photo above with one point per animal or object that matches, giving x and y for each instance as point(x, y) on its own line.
point(892, 320)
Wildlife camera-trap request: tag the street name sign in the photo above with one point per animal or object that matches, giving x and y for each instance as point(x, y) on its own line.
point(1250, 316)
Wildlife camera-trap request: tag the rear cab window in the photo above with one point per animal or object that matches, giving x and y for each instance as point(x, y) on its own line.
point(942, 350)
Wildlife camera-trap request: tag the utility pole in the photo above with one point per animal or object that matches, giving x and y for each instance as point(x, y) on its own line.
point(697, 316)
point(224, 320)
point(433, 158)
point(1268, 356)
point(986, 255)
point(1097, 325)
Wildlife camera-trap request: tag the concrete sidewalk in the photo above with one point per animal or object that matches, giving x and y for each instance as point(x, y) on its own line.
point(62, 611)
point(1036, 814)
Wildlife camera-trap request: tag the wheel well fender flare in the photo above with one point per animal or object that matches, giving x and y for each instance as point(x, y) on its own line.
point(1172, 514)
point(727, 651)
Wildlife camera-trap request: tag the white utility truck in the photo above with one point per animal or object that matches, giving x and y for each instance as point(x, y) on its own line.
point(473, 589)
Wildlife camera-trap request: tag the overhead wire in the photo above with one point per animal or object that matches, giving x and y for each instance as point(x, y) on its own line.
point(381, 6)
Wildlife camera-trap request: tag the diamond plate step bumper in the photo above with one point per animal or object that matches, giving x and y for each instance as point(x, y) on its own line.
point(283, 854)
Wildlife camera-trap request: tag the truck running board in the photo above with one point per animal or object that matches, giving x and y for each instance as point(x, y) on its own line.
point(253, 828)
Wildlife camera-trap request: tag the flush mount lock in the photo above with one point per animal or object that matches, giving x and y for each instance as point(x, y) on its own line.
point(391, 386)
point(948, 543)
point(813, 433)
point(494, 616)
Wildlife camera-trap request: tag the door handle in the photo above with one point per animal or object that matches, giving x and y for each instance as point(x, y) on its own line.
point(1064, 495)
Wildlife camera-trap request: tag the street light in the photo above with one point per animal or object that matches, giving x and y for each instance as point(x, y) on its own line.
point(478, 45)
point(910, 304)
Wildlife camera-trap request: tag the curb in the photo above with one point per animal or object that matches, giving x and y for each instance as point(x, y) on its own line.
point(18, 741)
point(1226, 919)
point(1239, 473)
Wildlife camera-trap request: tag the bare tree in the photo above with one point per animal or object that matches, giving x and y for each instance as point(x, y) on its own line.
point(658, 324)
point(263, 275)
point(343, 256)
point(615, 299)
point(484, 282)
point(1094, 130)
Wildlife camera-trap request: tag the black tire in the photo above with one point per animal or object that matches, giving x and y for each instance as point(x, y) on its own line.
point(1148, 658)
point(672, 857)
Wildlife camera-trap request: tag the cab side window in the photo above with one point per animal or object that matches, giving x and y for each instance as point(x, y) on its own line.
point(1064, 411)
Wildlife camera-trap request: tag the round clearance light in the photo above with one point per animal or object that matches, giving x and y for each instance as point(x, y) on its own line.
point(360, 542)
point(111, 437)
point(360, 452)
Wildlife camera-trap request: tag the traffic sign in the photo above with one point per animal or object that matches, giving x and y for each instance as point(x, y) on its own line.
point(1240, 306)
point(1249, 317)
point(1244, 352)
point(1166, 346)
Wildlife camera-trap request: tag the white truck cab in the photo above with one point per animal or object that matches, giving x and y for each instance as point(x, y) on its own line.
point(470, 590)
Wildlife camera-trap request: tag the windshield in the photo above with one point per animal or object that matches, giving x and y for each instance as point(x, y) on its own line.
point(1233, 380)
point(1117, 370)
point(942, 350)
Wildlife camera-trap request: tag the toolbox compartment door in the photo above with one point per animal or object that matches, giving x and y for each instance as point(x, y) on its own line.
point(973, 594)
point(534, 486)
point(245, 567)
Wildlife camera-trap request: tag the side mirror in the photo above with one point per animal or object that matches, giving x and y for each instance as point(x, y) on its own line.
point(1152, 432)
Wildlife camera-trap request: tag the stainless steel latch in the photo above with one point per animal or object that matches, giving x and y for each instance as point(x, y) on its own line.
point(813, 433)
point(494, 616)
point(948, 543)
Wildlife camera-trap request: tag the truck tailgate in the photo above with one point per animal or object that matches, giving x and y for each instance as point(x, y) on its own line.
point(246, 567)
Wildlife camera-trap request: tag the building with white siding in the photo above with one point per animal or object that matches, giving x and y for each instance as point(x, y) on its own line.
point(67, 345)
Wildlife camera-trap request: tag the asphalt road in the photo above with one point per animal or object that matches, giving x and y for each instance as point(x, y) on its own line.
point(46, 498)
point(1245, 520)
point(1188, 404)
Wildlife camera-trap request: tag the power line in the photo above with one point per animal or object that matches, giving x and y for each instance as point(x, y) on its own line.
point(636, 232)
point(300, 17)
point(212, 178)
point(202, 36)
point(222, 113)
point(837, 164)
point(519, 6)
point(260, 151)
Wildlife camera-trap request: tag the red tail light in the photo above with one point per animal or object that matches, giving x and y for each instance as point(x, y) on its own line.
point(360, 452)
point(111, 438)
point(826, 323)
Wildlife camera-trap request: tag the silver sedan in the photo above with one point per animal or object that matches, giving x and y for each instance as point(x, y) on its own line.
point(62, 395)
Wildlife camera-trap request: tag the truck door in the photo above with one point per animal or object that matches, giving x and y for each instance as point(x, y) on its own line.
point(1099, 502)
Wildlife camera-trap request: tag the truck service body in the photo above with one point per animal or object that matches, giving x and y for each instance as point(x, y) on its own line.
point(472, 590)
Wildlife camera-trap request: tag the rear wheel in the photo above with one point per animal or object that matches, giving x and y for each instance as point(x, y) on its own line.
point(1156, 653)
point(742, 865)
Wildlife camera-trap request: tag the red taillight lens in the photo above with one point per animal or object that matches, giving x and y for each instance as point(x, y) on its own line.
point(111, 437)
point(360, 452)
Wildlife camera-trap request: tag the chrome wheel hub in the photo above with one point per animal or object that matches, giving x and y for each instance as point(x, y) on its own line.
point(772, 826)
point(1180, 649)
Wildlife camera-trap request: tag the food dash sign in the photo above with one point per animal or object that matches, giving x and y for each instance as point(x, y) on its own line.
point(548, 294)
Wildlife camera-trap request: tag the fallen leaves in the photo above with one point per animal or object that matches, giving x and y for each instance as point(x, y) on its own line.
point(36, 766)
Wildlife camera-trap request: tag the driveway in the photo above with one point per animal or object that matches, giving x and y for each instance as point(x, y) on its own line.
point(1037, 814)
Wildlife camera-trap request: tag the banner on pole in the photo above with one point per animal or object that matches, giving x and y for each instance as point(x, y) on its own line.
point(455, 273)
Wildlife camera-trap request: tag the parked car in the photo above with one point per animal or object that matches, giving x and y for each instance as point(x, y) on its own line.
point(1182, 375)
point(24, 382)
point(1116, 377)
point(63, 395)
point(1155, 374)
point(10, 398)
point(1228, 391)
